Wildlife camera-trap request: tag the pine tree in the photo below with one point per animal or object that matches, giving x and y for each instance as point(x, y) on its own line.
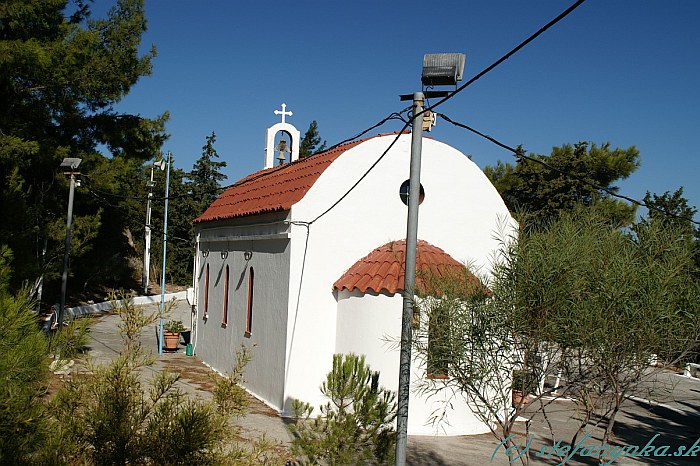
point(205, 178)
point(311, 144)
point(355, 426)
point(61, 76)
point(539, 194)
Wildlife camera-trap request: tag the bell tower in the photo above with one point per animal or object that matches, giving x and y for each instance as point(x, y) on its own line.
point(292, 147)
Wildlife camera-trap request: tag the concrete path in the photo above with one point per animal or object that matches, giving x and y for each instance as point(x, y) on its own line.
point(676, 419)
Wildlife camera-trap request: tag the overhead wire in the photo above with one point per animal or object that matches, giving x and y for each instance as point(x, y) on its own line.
point(364, 175)
point(391, 116)
point(519, 153)
point(451, 95)
point(505, 57)
point(264, 173)
point(97, 196)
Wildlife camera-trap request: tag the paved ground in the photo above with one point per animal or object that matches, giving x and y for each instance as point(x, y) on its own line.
point(676, 419)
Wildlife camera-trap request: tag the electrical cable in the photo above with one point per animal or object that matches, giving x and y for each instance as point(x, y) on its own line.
point(451, 95)
point(88, 181)
point(505, 57)
point(244, 181)
point(519, 153)
point(128, 214)
point(379, 159)
point(398, 115)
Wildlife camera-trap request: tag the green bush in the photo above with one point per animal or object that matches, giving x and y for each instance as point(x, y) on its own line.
point(72, 339)
point(23, 371)
point(114, 417)
point(355, 426)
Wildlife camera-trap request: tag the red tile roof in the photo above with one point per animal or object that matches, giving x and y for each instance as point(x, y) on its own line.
point(383, 269)
point(273, 189)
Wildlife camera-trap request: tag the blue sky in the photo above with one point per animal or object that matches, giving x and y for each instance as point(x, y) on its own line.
point(613, 71)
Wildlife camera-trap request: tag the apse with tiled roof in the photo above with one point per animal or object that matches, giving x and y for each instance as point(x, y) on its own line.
point(291, 240)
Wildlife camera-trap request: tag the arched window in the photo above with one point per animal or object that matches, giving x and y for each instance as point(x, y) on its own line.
point(206, 292)
point(224, 320)
point(249, 314)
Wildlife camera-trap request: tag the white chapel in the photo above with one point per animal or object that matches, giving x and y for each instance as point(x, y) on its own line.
point(295, 262)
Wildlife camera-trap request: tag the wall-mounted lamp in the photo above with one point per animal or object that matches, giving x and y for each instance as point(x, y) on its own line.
point(248, 255)
point(224, 254)
point(205, 252)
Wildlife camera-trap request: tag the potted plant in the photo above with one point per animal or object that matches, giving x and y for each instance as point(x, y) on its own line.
point(171, 334)
point(522, 386)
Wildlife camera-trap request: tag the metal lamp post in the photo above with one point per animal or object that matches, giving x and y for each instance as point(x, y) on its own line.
point(69, 166)
point(438, 70)
point(147, 249)
point(165, 249)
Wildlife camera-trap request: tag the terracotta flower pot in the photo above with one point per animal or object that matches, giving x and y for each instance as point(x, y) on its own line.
point(519, 399)
point(171, 341)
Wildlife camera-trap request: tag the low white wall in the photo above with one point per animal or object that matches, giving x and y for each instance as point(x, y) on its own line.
point(78, 311)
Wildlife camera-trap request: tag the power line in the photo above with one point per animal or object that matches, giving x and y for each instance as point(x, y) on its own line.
point(392, 116)
point(505, 57)
point(519, 153)
point(364, 175)
point(129, 214)
point(399, 115)
point(458, 90)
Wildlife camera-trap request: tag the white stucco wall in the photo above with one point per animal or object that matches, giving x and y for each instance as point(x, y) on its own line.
point(370, 324)
point(461, 214)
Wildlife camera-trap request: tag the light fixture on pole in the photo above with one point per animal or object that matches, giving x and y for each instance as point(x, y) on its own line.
point(161, 165)
point(147, 250)
point(69, 165)
point(438, 70)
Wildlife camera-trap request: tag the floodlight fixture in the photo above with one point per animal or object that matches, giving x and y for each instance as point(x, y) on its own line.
point(70, 163)
point(442, 69)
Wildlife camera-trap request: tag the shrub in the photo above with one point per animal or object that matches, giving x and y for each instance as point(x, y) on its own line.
point(23, 371)
point(113, 417)
point(355, 426)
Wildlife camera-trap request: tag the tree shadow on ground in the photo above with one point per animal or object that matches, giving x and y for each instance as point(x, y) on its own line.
point(677, 431)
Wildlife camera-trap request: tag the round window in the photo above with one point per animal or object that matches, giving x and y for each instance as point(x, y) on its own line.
point(404, 192)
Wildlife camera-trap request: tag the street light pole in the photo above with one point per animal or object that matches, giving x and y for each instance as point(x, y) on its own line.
point(165, 254)
point(147, 249)
point(409, 280)
point(438, 70)
point(67, 164)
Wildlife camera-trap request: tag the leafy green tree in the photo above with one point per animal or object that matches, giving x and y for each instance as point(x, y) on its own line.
point(580, 299)
point(672, 209)
point(181, 208)
point(355, 426)
point(61, 73)
point(190, 195)
point(539, 194)
point(311, 143)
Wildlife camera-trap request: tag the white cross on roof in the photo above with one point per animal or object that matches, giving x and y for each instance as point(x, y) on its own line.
point(284, 112)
